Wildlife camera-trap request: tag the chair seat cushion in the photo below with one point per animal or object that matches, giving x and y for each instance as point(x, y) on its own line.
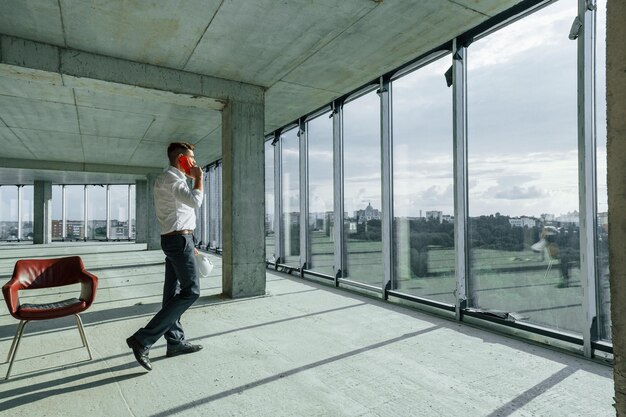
point(51, 310)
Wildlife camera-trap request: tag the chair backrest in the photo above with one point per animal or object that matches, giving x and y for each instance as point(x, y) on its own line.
point(45, 273)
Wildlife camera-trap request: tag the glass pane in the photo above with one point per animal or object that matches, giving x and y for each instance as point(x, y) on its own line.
point(8, 212)
point(362, 193)
point(290, 144)
point(27, 212)
point(57, 212)
point(75, 211)
point(523, 171)
point(213, 204)
point(602, 236)
point(270, 252)
point(423, 232)
point(133, 190)
point(321, 215)
point(96, 212)
point(215, 207)
point(119, 212)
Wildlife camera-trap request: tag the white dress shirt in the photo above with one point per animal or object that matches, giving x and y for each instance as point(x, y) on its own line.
point(174, 202)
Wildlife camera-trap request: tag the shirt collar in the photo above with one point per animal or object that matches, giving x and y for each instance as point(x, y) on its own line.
point(176, 172)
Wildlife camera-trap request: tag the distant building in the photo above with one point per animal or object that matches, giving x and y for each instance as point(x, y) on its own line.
point(370, 213)
point(603, 221)
point(569, 218)
point(447, 218)
point(437, 215)
point(523, 222)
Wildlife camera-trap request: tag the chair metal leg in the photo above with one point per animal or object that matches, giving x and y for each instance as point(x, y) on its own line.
point(548, 270)
point(15, 345)
point(81, 330)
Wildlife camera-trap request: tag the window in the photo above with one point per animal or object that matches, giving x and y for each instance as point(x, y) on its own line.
point(423, 224)
point(290, 145)
point(321, 216)
point(270, 236)
point(362, 190)
point(523, 171)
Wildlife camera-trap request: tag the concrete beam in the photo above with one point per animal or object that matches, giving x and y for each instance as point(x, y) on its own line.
point(65, 61)
point(616, 167)
point(243, 200)
point(76, 166)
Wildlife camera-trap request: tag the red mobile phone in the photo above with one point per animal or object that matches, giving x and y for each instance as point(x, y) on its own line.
point(185, 164)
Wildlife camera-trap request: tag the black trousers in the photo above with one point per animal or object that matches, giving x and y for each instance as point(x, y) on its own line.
point(180, 290)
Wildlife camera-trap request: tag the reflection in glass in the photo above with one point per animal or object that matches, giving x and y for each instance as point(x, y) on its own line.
point(96, 212)
point(290, 145)
point(362, 190)
point(8, 212)
point(270, 253)
point(321, 215)
point(423, 226)
point(27, 213)
point(523, 177)
point(118, 227)
point(602, 232)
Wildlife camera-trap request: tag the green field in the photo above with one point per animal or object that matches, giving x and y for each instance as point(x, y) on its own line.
point(520, 283)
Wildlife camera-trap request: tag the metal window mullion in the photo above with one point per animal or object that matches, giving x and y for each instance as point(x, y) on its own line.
point(305, 256)
point(386, 148)
point(278, 200)
point(587, 170)
point(461, 217)
point(63, 213)
point(85, 212)
point(108, 215)
point(338, 203)
point(20, 195)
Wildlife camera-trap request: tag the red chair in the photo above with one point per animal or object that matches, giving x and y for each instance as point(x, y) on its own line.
point(30, 274)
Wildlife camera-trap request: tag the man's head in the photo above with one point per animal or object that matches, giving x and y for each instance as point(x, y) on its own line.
point(176, 149)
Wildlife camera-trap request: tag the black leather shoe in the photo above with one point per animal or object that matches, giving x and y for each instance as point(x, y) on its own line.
point(140, 352)
point(182, 349)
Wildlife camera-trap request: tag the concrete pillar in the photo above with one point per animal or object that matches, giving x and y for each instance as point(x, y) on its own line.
point(42, 212)
point(147, 227)
point(616, 181)
point(243, 200)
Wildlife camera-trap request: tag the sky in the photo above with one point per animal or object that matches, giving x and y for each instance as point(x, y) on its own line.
point(522, 144)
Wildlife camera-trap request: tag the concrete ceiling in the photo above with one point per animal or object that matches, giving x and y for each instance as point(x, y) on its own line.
point(305, 53)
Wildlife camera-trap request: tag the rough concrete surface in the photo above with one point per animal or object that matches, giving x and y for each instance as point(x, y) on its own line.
point(616, 166)
point(304, 349)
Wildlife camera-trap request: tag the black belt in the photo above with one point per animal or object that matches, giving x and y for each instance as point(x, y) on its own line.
point(179, 232)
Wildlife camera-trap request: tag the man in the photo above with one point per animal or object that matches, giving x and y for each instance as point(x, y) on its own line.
point(175, 207)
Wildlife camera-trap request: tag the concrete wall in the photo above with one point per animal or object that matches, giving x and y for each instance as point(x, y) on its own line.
point(616, 164)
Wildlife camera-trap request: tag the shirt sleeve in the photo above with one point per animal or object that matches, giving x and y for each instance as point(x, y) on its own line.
point(192, 198)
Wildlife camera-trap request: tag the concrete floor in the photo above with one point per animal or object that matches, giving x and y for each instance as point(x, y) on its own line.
point(304, 349)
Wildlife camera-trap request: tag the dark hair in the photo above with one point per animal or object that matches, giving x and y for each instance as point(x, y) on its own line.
point(176, 148)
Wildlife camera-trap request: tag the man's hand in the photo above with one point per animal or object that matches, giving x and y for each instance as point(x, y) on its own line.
point(196, 172)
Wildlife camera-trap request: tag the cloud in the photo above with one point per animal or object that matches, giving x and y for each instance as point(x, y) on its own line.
point(517, 193)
